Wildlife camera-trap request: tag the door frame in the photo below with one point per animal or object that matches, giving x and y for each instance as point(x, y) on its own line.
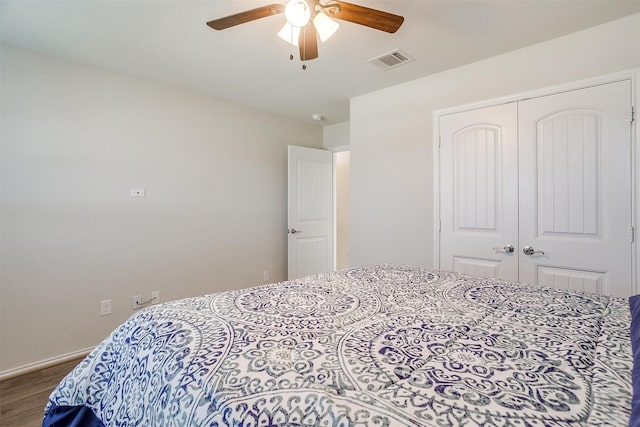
point(334, 150)
point(632, 75)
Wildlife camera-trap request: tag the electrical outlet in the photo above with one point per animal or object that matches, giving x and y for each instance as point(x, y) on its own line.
point(105, 307)
point(155, 297)
point(135, 303)
point(266, 276)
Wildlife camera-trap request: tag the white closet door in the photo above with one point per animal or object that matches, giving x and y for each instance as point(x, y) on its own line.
point(575, 189)
point(478, 197)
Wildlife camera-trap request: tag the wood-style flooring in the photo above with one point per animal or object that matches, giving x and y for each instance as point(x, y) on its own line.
point(23, 398)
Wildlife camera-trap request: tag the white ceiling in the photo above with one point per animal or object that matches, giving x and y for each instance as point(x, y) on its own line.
point(167, 41)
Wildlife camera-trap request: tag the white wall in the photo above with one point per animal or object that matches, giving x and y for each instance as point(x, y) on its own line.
point(336, 135)
point(74, 141)
point(391, 132)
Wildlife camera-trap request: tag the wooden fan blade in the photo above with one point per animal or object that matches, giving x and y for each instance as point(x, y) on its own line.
point(308, 42)
point(247, 16)
point(371, 18)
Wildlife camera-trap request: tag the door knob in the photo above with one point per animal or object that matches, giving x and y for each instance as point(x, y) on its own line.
point(528, 250)
point(294, 231)
point(508, 249)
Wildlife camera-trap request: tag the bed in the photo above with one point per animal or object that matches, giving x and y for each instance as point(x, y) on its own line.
point(381, 345)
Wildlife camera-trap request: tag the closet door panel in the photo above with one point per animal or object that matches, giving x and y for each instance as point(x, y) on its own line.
point(575, 189)
point(567, 156)
point(478, 195)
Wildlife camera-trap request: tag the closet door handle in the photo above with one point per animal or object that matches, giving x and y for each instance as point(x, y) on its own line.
point(528, 250)
point(294, 231)
point(508, 249)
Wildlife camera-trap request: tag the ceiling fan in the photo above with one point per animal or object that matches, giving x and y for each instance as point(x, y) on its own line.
point(308, 19)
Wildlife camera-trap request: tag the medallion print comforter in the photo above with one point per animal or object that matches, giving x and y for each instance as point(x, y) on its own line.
point(375, 346)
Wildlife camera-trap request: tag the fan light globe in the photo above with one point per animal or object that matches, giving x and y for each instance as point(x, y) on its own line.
point(290, 34)
point(325, 26)
point(297, 13)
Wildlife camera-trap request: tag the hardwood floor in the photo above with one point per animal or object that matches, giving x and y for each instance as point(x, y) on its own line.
point(22, 399)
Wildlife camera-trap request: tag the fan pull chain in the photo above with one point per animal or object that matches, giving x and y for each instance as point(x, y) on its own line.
point(304, 34)
point(304, 48)
point(291, 44)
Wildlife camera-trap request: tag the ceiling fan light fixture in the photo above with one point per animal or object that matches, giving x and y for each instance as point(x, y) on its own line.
point(297, 12)
point(302, 32)
point(290, 34)
point(325, 26)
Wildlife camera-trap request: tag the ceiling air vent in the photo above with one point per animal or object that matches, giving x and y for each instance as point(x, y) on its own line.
point(390, 60)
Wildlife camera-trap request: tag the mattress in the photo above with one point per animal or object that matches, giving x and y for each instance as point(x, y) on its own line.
point(381, 345)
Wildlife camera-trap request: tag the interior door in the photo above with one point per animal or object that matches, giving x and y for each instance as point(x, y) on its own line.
point(479, 192)
point(575, 189)
point(310, 211)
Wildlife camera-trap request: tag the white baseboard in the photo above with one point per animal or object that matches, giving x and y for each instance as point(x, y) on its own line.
point(47, 363)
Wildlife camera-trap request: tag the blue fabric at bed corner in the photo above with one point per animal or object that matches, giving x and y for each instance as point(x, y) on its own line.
point(71, 416)
point(634, 306)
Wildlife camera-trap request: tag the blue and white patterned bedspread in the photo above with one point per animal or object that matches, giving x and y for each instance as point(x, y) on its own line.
point(381, 345)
